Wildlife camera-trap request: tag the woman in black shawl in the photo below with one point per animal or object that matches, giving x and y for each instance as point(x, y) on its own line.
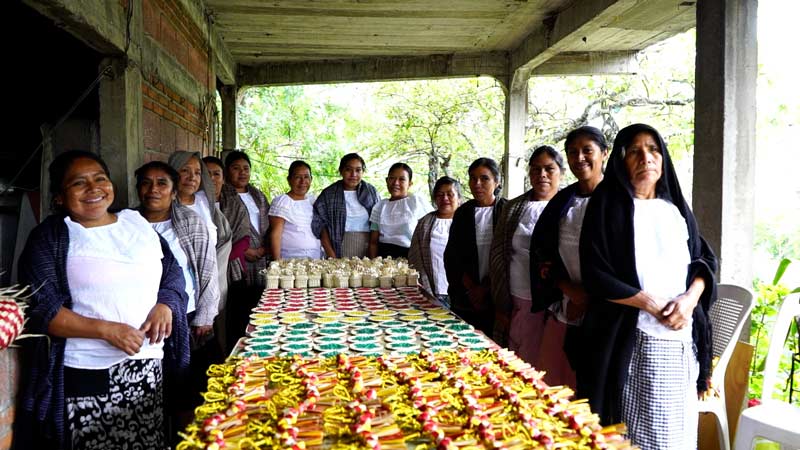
point(466, 256)
point(558, 297)
point(651, 276)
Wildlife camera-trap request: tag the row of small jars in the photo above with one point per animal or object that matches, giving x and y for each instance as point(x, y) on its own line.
point(276, 280)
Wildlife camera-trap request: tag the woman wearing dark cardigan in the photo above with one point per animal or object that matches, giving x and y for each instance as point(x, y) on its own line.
point(466, 257)
point(514, 325)
point(558, 297)
point(647, 341)
point(96, 382)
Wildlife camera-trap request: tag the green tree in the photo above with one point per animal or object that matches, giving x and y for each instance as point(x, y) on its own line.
point(280, 125)
point(661, 94)
point(440, 127)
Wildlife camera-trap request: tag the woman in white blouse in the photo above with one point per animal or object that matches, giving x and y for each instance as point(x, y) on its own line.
point(557, 296)
point(426, 253)
point(197, 192)
point(466, 257)
point(393, 220)
point(514, 325)
point(341, 212)
point(110, 297)
point(290, 218)
point(192, 191)
point(647, 345)
point(188, 238)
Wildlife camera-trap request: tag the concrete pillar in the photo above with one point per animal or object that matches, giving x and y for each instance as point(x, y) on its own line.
point(121, 128)
point(725, 125)
point(229, 94)
point(514, 157)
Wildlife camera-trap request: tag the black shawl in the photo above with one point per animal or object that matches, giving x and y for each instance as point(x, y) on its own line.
point(461, 256)
point(608, 269)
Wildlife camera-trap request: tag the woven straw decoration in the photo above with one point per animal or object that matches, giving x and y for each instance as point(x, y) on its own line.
point(11, 321)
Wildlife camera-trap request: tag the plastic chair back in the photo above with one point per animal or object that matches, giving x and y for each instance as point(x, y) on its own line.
point(789, 310)
point(727, 316)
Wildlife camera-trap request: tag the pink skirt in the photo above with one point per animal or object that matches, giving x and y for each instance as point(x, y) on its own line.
point(526, 330)
point(552, 358)
point(538, 338)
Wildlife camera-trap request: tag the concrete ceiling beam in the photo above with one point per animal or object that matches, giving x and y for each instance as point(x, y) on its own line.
point(623, 62)
point(493, 64)
point(100, 25)
point(566, 30)
point(224, 64)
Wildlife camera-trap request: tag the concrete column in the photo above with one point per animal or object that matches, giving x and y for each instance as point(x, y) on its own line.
point(229, 94)
point(513, 163)
point(725, 126)
point(121, 128)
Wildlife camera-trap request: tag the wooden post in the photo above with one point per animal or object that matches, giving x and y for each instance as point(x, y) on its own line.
point(736, 382)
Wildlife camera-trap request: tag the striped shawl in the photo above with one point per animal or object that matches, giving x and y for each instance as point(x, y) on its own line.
point(419, 254)
point(202, 259)
point(330, 211)
point(499, 262)
point(234, 209)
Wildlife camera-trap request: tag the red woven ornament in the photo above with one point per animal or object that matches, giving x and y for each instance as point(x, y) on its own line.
point(11, 321)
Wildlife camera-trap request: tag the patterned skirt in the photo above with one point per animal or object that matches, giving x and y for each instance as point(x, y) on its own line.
point(355, 244)
point(116, 408)
point(659, 399)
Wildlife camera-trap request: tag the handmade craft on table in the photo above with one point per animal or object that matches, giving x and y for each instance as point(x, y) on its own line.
point(445, 400)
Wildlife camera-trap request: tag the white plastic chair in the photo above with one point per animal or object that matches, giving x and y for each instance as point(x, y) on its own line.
point(727, 316)
point(773, 419)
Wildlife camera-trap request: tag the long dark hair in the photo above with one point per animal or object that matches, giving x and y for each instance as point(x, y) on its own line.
point(296, 165)
point(493, 167)
point(350, 156)
point(214, 160)
point(587, 132)
point(447, 181)
point(236, 155)
point(549, 151)
point(158, 165)
point(404, 166)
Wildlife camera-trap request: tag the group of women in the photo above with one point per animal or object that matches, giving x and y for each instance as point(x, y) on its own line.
point(129, 300)
point(604, 284)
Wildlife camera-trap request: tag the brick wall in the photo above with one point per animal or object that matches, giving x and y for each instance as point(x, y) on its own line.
point(172, 122)
point(9, 374)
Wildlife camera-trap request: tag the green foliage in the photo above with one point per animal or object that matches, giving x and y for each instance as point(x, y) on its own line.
point(778, 237)
point(440, 127)
point(661, 94)
point(280, 125)
point(769, 297)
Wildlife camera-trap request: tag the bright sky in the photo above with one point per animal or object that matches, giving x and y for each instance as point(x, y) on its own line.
point(778, 124)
